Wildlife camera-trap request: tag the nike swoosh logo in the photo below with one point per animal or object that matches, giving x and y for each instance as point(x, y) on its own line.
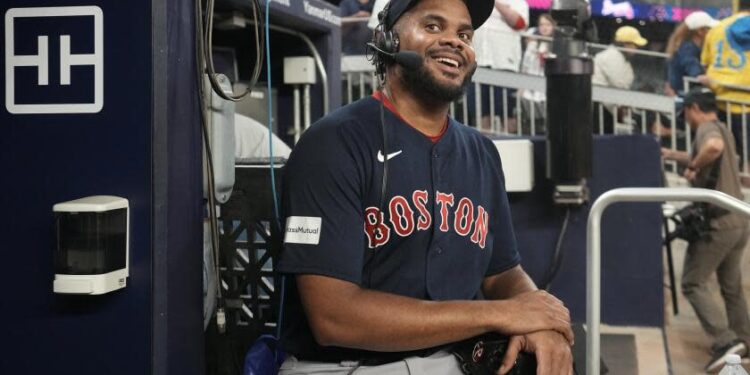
point(390, 156)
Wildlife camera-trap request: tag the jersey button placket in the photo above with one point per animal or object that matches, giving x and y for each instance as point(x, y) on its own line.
point(436, 185)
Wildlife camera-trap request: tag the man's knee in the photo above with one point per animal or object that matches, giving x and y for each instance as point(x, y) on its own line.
point(731, 291)
point(689, 287)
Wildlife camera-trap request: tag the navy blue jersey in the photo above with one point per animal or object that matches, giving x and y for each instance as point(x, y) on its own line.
point(444, 227)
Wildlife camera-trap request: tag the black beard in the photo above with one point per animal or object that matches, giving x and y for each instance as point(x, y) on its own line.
point(426, 87)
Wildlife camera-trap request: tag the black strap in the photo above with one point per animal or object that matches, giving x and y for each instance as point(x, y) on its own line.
point(713, 211)
point(713, 176)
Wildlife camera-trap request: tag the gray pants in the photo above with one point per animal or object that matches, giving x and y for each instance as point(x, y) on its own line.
point(723, 255)
point(440, 363)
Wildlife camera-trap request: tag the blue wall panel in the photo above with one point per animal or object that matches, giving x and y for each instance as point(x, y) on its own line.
point(50, 158)
point(632, 267)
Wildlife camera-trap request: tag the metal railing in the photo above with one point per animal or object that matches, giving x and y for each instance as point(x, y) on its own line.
point(593, 247)
point(497, 102)
point(502, 102)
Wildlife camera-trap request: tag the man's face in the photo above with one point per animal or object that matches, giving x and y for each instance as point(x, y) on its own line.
point(702, 32)
point(440, 31)
point(630, 45)
point(690, 111)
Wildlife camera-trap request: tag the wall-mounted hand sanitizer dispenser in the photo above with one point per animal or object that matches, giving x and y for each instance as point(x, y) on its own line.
point(92, 245)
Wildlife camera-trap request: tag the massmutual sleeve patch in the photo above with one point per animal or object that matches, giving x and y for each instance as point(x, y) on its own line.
point(303, 230)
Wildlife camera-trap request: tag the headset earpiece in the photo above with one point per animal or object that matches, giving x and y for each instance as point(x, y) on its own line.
point(385, 40)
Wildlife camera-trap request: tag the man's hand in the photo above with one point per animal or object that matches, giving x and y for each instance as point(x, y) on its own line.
point(690, 174)
point(552, 351)
point(361, 13)
point(538, 311)
point(668, 90)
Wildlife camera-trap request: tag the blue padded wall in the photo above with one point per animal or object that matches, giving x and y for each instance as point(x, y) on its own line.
point(632, 268)
point(143, 145)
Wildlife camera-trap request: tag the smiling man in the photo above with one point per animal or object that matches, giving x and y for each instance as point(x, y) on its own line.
point(398, 237)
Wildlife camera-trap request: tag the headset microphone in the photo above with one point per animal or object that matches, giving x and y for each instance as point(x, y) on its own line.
point(407, 59)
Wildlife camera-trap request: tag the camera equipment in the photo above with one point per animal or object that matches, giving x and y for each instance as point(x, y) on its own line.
point(569, 108)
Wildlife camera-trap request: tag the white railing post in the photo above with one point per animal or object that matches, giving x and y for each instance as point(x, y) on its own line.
point(593, 247)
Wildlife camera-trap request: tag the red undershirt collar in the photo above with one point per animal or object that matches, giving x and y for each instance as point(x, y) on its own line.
point(378, 95)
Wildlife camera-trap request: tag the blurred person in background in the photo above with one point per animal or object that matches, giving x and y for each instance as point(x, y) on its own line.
point(498, 43)
point(726, 55)
point(684, 50)
point(612, 68)
point(498, 46)
point(533, 64)
point(355, 33)
point(536, 48)
point(713, 165)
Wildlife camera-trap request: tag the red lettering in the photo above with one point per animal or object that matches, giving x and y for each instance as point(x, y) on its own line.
point(444, 200)
point(464, 216)
point(480, 228)
point(402, 216)
point(377, 232)
point(420, 201)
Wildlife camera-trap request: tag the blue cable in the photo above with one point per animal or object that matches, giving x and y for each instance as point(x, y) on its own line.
point(270, 113)
point(270, 148)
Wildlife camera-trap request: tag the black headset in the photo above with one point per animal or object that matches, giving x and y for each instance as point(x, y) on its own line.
point(384, 43)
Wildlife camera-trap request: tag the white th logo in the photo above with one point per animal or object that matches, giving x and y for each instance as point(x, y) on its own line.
point(41, 60)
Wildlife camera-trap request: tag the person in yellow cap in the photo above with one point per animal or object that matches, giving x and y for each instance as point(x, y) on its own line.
point(612, 68)
point(726, 55)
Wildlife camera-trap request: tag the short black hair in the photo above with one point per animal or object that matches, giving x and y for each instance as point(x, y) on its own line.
point(703, 97)
point(744, 4)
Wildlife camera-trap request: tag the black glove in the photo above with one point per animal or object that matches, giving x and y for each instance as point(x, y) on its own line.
point(483, 355)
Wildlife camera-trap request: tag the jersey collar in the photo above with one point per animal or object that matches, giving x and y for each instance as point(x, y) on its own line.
point(379, 96)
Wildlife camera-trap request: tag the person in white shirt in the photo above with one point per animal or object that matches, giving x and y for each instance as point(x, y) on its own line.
point(498, 46)
point(612, 68)
point(537, 48)
point(498, 43)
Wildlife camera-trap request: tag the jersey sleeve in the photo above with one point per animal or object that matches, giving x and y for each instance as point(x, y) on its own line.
point(323, 231)
point(522, 8)
point(505, 248)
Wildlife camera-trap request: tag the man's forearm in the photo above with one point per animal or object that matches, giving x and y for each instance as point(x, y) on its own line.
point(681, 157)
point(373, 320)
point(343, 314)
